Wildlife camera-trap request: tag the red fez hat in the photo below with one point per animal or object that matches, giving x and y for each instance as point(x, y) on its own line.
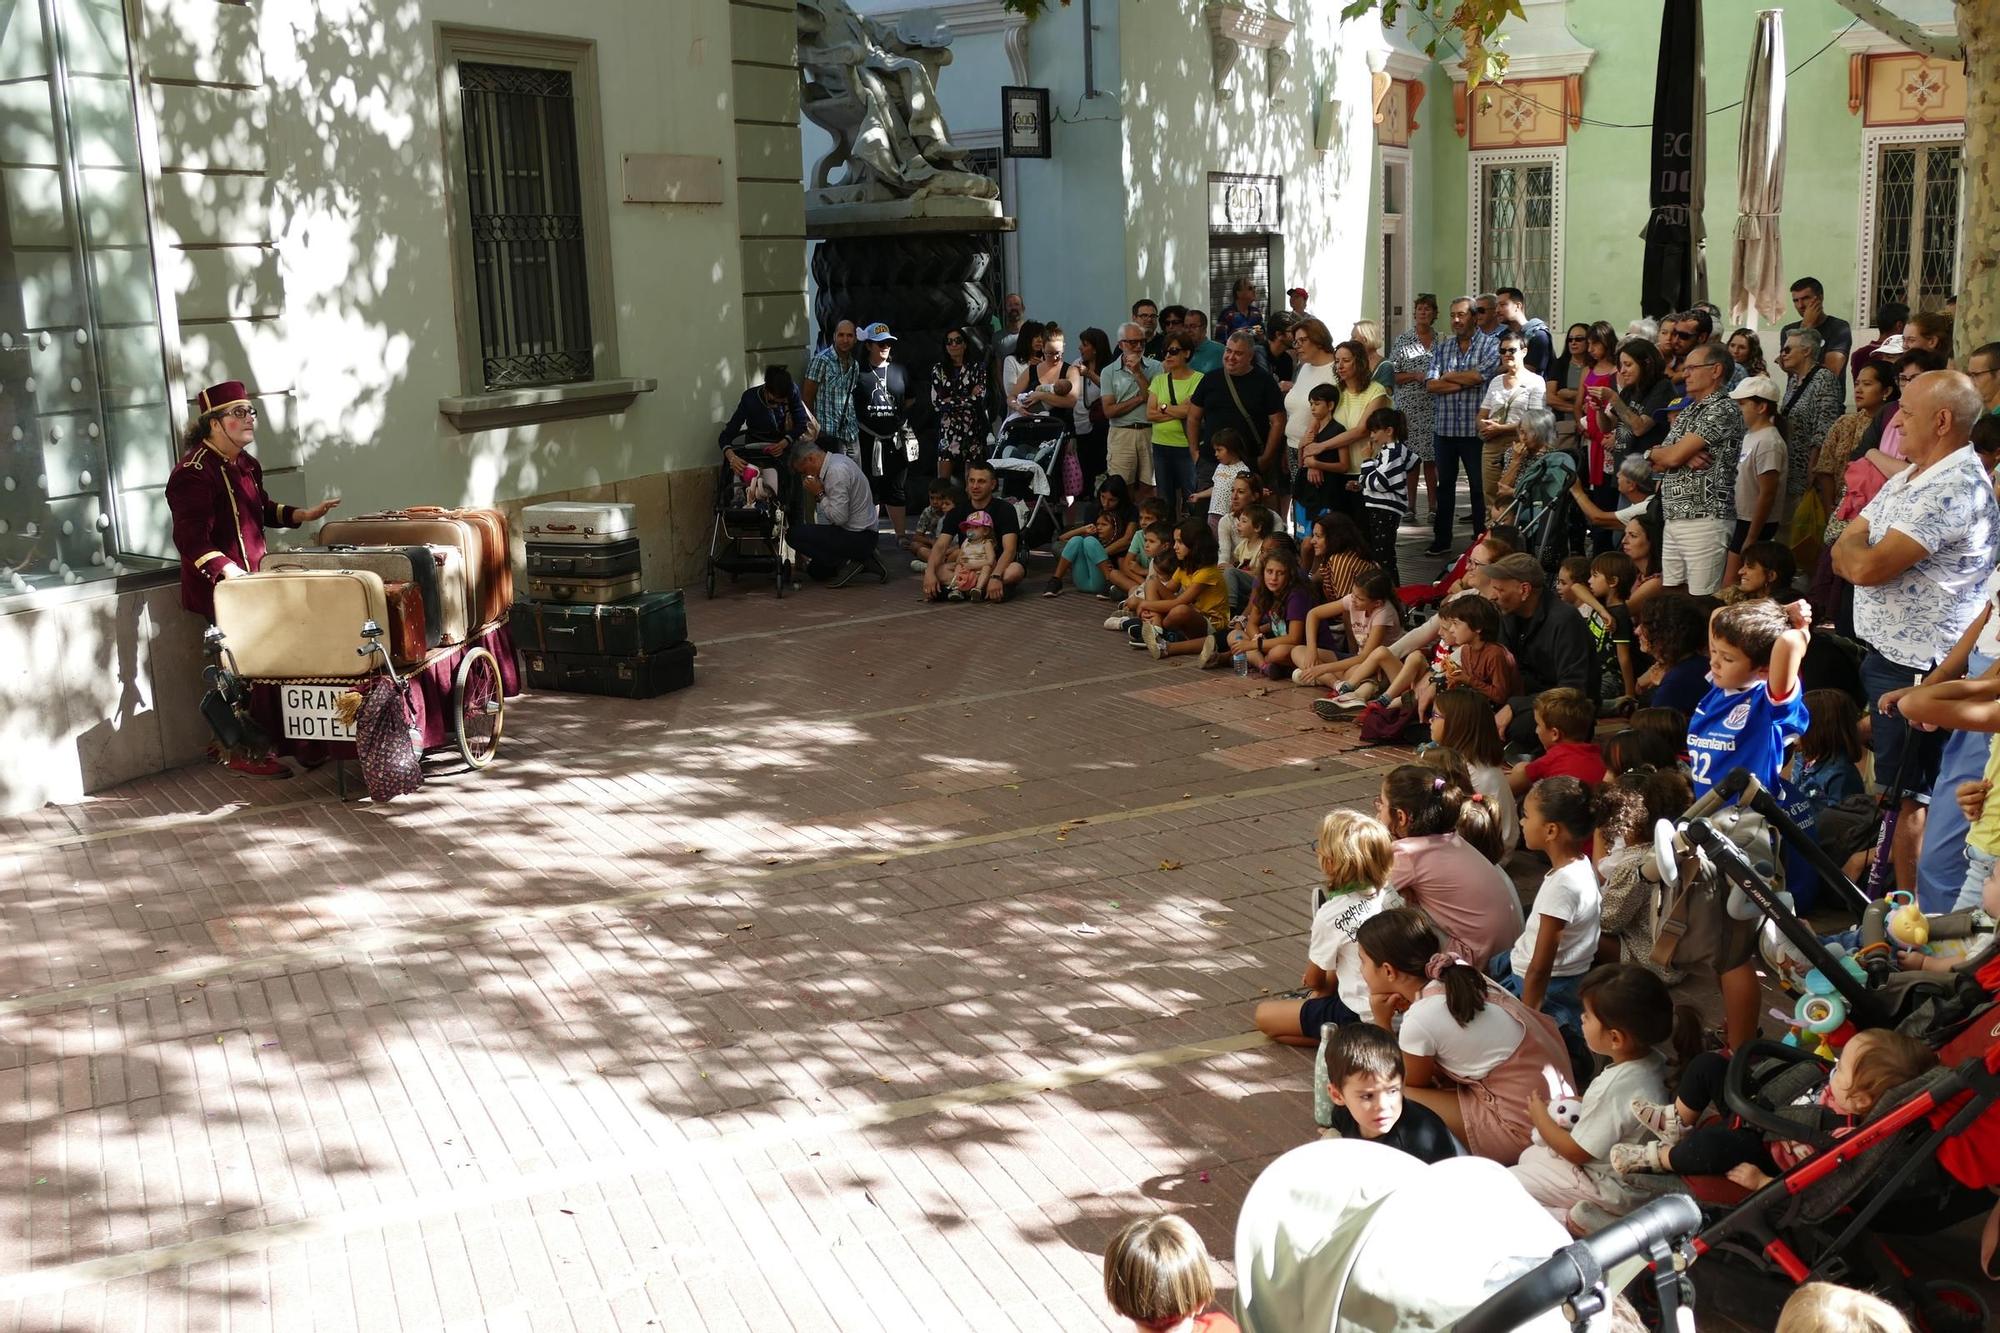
point(224, 395)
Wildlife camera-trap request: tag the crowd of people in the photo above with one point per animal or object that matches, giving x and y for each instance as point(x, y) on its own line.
point(1239, 503)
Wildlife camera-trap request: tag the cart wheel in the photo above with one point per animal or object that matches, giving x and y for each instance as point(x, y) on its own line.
point(479, 707)
point(711, 580)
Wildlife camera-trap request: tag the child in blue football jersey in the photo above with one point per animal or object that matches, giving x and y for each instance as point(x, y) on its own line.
point(1754, 707)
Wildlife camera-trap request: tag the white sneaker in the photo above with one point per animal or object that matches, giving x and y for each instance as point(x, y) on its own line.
point(1208, 648)
point(1117, 621)
point(1298, 675)
point(1154, 644)
point(919, 566)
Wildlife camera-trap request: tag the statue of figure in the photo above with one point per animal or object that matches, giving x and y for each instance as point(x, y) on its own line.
point(873, 87)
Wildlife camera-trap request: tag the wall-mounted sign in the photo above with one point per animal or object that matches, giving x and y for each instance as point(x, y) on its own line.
point(1249, 204)
point(1024, 122)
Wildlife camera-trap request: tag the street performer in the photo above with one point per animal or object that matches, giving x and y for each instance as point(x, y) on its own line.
point(220, 510)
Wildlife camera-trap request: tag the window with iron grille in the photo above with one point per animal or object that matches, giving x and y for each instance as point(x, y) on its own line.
point(531, 273)
point(1915, 243)
point(1231, 258)
point(1519, 203)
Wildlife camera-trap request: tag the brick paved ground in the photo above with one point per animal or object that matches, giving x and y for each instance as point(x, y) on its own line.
point(870, 983)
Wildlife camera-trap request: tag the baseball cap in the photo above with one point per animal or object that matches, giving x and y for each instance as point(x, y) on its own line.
point(1519, 567)
point(978, 518)
point(877, 332)
point(1757, 386)
point(1296, 291)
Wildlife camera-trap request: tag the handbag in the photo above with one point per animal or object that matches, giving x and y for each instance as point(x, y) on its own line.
point(1806, 531)
point(226, 709)
point(386, 744)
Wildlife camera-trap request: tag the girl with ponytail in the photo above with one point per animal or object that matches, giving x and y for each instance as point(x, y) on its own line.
point(1469, 897)
point(1471, 1052)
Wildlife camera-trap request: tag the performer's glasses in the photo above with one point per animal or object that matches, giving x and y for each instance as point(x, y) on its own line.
point(241, 414)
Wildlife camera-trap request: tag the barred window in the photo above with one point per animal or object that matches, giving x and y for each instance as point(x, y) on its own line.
point(1517, 230)
point(531, 275)
point(1917, 203)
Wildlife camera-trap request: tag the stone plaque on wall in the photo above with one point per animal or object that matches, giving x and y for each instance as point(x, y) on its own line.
point(1249, 204)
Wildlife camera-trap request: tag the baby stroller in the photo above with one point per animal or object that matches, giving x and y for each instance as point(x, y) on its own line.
point(749, 538)
point(1027, 462)
point(1542, 504)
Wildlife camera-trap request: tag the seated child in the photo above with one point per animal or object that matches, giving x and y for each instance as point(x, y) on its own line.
point(1565, 721)
point(1273, 625)
point(1472, 1053)
point(1087, 558)
point(1364, 1079)
point(1468, 653)
point(1822, 1307)
point(1373, 619)
point(1154, 543)
point(1627, 1017)
point(1670, 725)
point(1438, 870)
point(944, 495)
point(1874, 1062)
point(1191, 618)
point(1754, 707)
point(1132, 564)
point(1478, 817)
point(1354, 855)
point(1220, 493)
point(1254, 527)
point(1558, 942)
point(1462, 720)
point(1156, 1275)
point(971, 562)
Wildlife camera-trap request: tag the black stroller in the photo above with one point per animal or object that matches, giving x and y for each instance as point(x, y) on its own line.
point(1028, 462)
point(749, 538)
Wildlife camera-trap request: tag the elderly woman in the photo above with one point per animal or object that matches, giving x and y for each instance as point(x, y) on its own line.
point(1814, 397)
point(1535, 435)
point(1409, 363)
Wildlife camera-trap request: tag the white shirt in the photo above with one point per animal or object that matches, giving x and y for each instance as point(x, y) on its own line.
point(1298, 415)
point(1469, 1053)
point(847, 501)
point(1491, 783)
point(1225, 478)
point(1988, 643)
point(1333, 950)
point(1607, 1105)
point(1504, 402)
point(1763, 451)
point(1948, 509)
point(1569, 894)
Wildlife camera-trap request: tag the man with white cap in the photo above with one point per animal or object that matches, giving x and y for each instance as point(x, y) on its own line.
point(882, 403)
point(1760, 470)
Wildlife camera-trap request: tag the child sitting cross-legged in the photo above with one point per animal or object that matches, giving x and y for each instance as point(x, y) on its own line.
point(1364, 1079)
point(1156, 1275)
point(1087, 559)
point(1255, 526)
point(1190, 620)
point(1273, 624)
point(1874, 1062)
point(1438, 869)
point(1355, 855)
point(1155, 562)
point(1627, 1016)
point(1559, 940)
point(1462, 720)
point(1565, 720)
point(944, 494)
point(1468, 654)
point(1373, 619)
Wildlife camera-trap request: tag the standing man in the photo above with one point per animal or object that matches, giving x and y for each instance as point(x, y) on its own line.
point(840, 541)
point(1486, 314)
point(829, 392)
point(1207, 354)
point(1146, 314)
point(1836, 338)
point(1013, 312)
point(1275, 353)
point(1508, 394)
point(1919, 556)
point(1696, 465)
point(1246, 399)
point(980, 484)
point(1983, 369)
point(882, 403)
point(1538, 348)
point(1295, 297)
point(1129, 443)
point(1814, 399)
point(1244, 313)
point(220, 510)
point(1460, 367)
point(1696, 328)
point(1889, 318)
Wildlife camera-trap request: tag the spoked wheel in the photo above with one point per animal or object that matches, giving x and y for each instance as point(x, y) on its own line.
point(479, 707)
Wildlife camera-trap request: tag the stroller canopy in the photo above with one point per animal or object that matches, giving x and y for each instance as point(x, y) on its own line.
point(1348, 1236)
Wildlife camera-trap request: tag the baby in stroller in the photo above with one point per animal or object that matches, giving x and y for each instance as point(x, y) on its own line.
point(971, 562)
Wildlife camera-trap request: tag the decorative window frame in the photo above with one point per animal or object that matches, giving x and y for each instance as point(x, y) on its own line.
point(479, 408)
point(1474, 162)
point(1405, 225)
point(1873, 140)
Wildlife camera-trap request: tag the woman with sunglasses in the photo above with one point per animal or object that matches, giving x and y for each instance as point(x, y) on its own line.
point(958, 398)
point(220, 510)
point(1167, 408)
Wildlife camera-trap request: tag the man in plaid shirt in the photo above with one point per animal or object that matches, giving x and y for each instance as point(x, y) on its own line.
point(829, 392)
point(1460, 367)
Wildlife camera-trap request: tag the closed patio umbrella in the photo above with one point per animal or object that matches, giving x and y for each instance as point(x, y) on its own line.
point(1757, 279)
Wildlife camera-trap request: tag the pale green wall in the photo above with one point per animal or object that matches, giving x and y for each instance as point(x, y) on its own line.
point(1606, 169)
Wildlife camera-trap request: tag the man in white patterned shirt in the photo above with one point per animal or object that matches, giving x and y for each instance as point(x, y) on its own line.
point(1696, 464)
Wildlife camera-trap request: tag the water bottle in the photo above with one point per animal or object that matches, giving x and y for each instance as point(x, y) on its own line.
point(1242, 665)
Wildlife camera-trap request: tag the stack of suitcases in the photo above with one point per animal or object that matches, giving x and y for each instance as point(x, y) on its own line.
point(586, 627)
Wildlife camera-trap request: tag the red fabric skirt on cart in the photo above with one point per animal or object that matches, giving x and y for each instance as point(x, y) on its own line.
point(429, 695)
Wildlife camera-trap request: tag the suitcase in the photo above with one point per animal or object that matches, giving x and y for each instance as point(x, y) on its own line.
point(543, 588)
point(571, 560)
point(648, 623)
point(400, 564)
point(398, 528)
point(289, 624)
point(406, 625)
point(496, 576)
point(580, 523)
point(639, 676)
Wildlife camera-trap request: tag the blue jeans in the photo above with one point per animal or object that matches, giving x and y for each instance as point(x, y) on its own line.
point(1560, 1000)
point(1943, 864)
point(1085, 553)
point(1173, 474)
point(1454, 452)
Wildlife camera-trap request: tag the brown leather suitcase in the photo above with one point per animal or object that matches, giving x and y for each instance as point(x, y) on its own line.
point(496, 575)
point(292, 624)
point(398, 527)
point(407, 625)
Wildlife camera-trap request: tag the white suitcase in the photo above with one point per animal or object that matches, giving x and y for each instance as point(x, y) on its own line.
point(580, 523)
point(290, 624)
point(446, 622)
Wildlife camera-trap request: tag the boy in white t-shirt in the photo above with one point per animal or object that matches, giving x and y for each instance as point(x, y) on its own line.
point(1627, 1015)
point(1558, 942)
point(1760, 470)
point(1355, 855)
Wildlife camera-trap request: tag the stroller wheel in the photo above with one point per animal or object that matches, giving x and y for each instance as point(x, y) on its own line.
point(711, 580)
point(1947, 1307)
